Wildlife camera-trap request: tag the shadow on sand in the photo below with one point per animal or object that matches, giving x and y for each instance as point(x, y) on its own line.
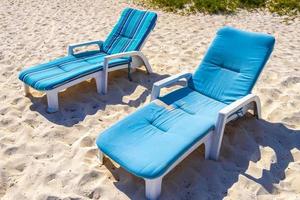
point(81, 100)
point(196, 178)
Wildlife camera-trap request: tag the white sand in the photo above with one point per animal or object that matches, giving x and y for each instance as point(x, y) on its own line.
point(53, 156)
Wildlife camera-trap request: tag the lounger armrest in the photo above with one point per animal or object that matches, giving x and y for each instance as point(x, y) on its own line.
point(120, 55)
point(73, 46)
point(167, 81)
point(123, 54)
point(237, 107)
point(234, 110)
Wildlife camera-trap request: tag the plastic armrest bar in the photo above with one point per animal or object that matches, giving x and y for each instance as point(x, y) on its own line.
point(167, 81)
point(120, 55)
point(73, 46)
point(123, 54)
point(237, 105)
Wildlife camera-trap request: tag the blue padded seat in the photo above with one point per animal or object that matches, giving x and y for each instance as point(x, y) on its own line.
point(128, 35)
point(147, 142)
point(63, 70)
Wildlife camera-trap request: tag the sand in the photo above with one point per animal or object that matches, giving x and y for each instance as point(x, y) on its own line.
point(53, 156)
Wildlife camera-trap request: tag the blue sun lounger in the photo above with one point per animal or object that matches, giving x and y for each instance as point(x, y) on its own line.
point(120, 50)
point(155, 138)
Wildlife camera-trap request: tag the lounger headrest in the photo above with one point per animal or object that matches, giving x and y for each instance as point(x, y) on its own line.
point(130, 32)
point(232, 64)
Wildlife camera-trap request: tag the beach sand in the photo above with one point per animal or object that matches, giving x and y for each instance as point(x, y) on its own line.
point(53, 156)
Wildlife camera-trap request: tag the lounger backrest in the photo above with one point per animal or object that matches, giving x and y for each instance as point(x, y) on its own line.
point(130, 32)
point(232, 64)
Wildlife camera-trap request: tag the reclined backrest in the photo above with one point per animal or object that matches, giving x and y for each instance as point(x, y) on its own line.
point(232, 64)
point(130, 32)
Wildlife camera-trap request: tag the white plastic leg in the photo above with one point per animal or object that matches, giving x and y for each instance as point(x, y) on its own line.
point(153, 188)
point(147, 65)
point(208, 145)
point(100, 156)
point(146, 62)
point(52, 98)
point(104, 79)
point(216, 139)
point(257, 108)
point(26, 89)
point(99, 82)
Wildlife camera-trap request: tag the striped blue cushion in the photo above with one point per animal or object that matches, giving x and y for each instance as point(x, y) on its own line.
point(128, 35)
point(130, 32)
point(50, 75)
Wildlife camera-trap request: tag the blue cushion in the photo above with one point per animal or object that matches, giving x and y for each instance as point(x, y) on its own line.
point(60, 71)
point(193, 102)
point(130, 32)
point(232, 64)
point(149, 141)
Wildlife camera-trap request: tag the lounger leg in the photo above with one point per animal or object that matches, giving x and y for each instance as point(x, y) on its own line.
point(100, 156)
point(52, 98)
point(26, 89)
point(148, 66)
point(257, 108)
point(146, 62)
point(208, 145)
point(216, 139)
point(104, 79)
point(99, 82)
point(129, 72)
point(153, 188)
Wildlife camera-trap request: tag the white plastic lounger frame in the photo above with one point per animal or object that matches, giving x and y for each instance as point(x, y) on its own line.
point(212, 140)
point(101, 77)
